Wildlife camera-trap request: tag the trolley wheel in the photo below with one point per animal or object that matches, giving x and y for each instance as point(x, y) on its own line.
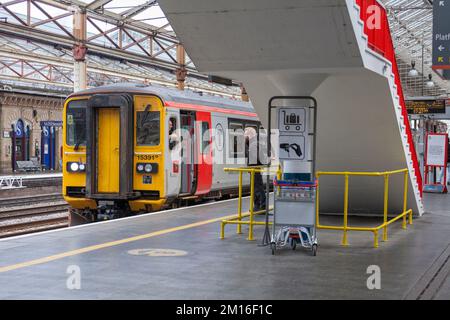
point(314, 250)
point(273, 247)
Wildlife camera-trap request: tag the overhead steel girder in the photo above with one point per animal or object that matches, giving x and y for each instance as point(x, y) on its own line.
point(92, 70)
point(106, 16)
point(58, 62)
point(67, 40)
point(57, 84)
point(26, 29)
point(138, 9)
point(109, 17)
point(52, 39)
point(97, 4)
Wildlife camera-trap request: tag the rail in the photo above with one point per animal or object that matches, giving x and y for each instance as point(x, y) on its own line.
point(238, 219)
point(32, 218)
point(346, 228)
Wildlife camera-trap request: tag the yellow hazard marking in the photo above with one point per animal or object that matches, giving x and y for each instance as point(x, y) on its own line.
point(158, 252)
point(109, 244)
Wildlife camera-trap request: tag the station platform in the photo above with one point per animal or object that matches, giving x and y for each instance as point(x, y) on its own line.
point(116, 261)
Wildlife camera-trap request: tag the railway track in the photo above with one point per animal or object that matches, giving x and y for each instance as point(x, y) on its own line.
point(29, 200)
point(19, 220)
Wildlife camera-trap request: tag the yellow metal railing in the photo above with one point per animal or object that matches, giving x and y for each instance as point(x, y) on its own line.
point(238, 219)
point(385, 223)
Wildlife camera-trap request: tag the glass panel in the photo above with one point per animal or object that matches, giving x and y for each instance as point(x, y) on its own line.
point(236, 140)
point(76, 123)
point(205, 136)
point(147, 128)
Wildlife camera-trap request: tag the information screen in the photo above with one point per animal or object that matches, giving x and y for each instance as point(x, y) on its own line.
point(425, 106)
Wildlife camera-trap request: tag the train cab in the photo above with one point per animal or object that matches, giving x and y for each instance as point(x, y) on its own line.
point(133, 148)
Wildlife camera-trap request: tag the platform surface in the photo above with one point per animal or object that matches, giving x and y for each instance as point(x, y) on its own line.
point(35, 267)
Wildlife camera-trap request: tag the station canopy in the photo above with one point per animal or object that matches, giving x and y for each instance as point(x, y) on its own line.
point(127, 40)
point(144, 32)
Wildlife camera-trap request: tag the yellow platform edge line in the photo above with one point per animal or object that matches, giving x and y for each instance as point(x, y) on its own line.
point(108, 244)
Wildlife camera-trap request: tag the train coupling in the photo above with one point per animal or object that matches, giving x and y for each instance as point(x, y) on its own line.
point(110, 210)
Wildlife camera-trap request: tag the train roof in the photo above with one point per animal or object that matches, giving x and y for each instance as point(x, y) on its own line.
point(169, 94)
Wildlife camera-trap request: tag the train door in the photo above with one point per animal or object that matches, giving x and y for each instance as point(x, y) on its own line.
point(173, 147)
point(108, 148)
point(187, 137)
point(203, 153)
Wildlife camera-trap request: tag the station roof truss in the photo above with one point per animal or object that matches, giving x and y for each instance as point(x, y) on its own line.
point(411, 23)
point(127, 41)
point(132, 41)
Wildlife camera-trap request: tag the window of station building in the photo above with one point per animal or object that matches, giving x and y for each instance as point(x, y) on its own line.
point(236, 140)
point(76, 123)
point(147, 128)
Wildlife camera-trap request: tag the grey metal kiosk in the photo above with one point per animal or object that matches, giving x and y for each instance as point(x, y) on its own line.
point(294, 219)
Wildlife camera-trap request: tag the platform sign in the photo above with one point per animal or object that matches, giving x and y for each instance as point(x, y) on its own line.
point(52, 123)
point(293, 129)
point(436, 157)
point(425, 106)
point(436, 154)
point(441, 34)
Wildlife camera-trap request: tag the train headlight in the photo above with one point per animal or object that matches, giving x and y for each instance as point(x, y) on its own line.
point(76, 167)
point(147, 167)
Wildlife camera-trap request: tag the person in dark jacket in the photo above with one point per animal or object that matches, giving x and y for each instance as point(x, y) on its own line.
point(259, 201)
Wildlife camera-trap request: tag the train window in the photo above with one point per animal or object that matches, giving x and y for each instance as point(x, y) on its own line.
point(173, 138)
point(147, 128)
point(236, 140)
point(205, 136)
point(76, 123)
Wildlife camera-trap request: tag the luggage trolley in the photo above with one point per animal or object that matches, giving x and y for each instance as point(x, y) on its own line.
point(294, 215)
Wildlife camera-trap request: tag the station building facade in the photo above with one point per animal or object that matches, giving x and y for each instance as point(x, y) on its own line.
point(31, 130)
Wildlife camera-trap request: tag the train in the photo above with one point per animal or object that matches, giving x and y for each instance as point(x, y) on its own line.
point(134, 148)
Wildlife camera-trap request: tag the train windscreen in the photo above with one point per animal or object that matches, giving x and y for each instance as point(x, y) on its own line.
point(76, 123)
point(147, 128)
